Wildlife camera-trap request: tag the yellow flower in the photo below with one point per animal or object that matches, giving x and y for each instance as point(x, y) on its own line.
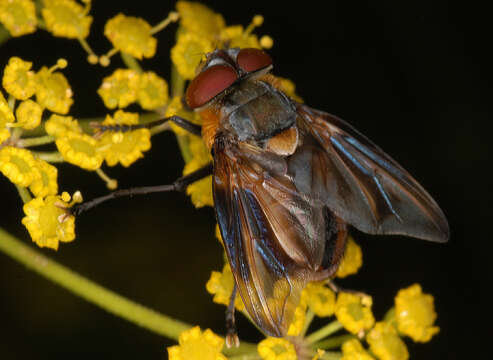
point(46, 183)
point(120, 88)
point(59, 126)
point(28, 114)
point(221, 285)
point(80, 150)
point(385, 343)
point(201, 190)
point(217, 232)
point(18, 165)
point(320, 299)
point(235, 36)
point(67, 18)
point(175, 107)
point(6, 117)
point(188, 53)
point(354, 314)
point(195, 344)
point(4, 135)
point(352, 260)
point(415, 314)
point(48, 222)
point(53, 91)
point(18, 79)
point(276, 349)
point(131, 35)
point(124, 147)
point(289, 88)
point(18, 16)
point(319, 354)
point(298, 322)
point(199, 19)
point(353, 350)
point(153, 91)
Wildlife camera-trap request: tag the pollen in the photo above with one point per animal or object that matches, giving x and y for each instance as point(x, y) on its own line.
point(18, 16)
point(131, 35)
point(67, 18)
point(18, 78)
point(120, 89)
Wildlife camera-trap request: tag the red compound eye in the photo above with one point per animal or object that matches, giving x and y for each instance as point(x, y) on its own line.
point(209, 83)
point(253, 59)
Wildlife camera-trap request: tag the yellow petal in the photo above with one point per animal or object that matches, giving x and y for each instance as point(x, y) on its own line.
point(18, 16)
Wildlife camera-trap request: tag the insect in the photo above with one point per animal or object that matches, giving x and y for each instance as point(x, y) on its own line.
point(288, 180)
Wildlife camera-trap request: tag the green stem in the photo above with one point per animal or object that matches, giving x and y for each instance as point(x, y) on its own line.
point(324, 331)
point(24, 194)
point(90, 291)
point(131, 62)
point(4, 34)
point(333, 342)
point(52, 157)
point(308, 320)
point(331, 356)
point(177, 82)
point(251, 356)
point(36, 141)
point(244, 349)
point(169, 19)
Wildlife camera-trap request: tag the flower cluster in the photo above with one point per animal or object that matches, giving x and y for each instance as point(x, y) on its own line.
point(35, 108)
point(47, 217)
point(412, 316)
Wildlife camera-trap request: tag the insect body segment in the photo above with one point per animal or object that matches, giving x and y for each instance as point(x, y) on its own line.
point(287, 182)
point(288, 179)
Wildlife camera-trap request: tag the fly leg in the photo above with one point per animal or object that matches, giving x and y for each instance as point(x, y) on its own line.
point(178, 185)
point(337, 289)
point(231, 333)
point(179, 121)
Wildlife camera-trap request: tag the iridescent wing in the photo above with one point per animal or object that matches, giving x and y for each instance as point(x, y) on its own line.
point(362, 185)
point(274, 238)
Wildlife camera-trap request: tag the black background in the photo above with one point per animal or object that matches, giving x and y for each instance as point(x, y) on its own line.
point(411, 76)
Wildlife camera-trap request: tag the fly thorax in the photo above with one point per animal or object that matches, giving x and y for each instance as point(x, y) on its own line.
point(254, 110)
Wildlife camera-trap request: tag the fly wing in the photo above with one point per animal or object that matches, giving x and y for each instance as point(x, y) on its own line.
point(363, 185)
point(273, 236)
